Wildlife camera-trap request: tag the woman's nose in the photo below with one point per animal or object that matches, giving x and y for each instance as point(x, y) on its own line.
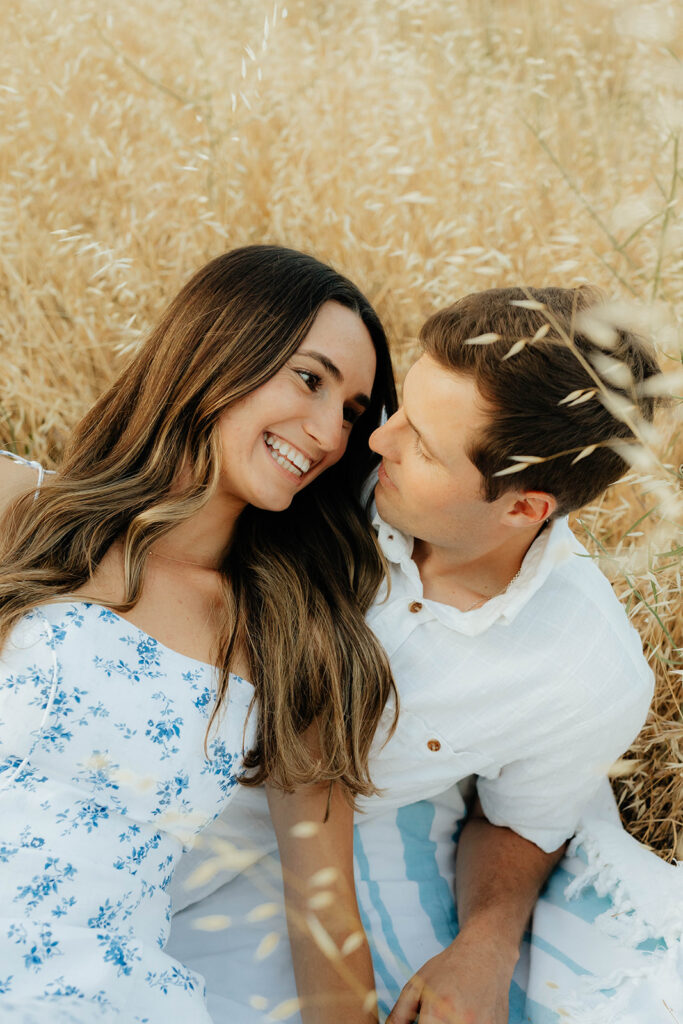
point(326, 427)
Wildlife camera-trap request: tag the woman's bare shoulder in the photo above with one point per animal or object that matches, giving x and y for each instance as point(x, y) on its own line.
point(16, 479)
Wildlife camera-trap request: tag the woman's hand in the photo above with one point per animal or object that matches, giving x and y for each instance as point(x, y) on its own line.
point(332, 962)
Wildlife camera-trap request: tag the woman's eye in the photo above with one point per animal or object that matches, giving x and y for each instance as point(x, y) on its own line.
point(311, 380)
point(351, 415)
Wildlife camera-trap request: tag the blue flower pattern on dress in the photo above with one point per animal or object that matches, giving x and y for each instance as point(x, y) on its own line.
point(84, 814)
point(45, 884)
point(97, 802)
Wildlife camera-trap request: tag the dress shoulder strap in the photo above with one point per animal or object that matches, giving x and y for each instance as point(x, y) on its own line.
point(40, 470)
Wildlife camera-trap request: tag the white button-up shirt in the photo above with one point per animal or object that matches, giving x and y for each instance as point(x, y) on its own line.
point(536, 692)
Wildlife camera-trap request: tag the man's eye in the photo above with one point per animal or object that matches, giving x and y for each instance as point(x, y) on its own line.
point(311, 380)
point(419, 449)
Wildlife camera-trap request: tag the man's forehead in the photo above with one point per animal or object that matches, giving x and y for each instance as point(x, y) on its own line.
point(444, 405)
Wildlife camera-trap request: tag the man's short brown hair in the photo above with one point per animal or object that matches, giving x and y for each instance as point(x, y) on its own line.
point(527, 391)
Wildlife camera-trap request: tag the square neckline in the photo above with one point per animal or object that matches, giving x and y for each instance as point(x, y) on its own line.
point(78, 602)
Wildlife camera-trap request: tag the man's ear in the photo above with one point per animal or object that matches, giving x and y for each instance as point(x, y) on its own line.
point(531, 508)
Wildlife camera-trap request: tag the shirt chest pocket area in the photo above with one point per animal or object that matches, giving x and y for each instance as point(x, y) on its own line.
point(419, 762)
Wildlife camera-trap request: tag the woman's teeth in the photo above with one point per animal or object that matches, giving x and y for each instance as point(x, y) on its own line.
point(287, 455)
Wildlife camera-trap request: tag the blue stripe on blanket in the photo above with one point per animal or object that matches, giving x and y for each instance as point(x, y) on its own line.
point(587, 906)
point(524, 1010)
point(419, 853)
point(557, 954)
point(421, 857)
point(391, 984)
point(517, 1008)
point(652, 946)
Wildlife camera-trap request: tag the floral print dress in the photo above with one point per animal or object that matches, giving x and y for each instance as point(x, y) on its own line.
point(103, 784)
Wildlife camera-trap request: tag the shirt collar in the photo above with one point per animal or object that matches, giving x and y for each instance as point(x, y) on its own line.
point(553, 546)
point(396, 546)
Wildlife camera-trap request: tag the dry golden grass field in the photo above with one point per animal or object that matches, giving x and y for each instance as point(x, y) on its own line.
point(427, 148)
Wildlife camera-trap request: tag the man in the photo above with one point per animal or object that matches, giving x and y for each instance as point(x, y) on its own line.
point(513, 660)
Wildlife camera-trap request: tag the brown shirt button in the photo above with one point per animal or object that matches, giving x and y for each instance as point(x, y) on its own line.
point(433, 744)
point(416, 606)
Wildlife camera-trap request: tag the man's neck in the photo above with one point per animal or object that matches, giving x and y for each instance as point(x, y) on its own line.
point(468, 580)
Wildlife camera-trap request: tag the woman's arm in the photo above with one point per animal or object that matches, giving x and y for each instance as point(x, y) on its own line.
point(332, 962)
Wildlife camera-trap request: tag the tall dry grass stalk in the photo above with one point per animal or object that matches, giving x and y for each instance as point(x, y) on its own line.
point(426, 149)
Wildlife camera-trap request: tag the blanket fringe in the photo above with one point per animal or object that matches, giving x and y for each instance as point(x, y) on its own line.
point(653, 995)
point(646, 894)
point(646, 898)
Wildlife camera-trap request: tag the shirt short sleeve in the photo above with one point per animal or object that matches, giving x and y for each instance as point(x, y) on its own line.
point(542, 794)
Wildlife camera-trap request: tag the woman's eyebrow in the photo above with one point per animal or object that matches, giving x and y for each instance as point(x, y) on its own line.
point(335, 373)
point(331, 367)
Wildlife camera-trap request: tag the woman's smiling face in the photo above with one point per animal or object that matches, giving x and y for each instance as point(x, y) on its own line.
point(284, 434)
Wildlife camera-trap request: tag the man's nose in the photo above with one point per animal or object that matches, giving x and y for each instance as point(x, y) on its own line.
point(381, 439)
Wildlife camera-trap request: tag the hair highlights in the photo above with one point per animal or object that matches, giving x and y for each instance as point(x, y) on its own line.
point(297, 582)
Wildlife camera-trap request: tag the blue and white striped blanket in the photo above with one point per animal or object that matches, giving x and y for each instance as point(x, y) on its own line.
point(604, 944)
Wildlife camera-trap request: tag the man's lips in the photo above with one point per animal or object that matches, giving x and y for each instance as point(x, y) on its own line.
point(384, 477)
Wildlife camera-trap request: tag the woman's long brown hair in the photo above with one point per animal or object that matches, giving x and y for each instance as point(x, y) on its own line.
point(296, 583)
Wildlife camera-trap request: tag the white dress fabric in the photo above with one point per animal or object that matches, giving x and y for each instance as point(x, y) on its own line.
point(103, 783)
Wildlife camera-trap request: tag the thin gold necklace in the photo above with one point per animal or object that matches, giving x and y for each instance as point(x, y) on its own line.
point(484, 599)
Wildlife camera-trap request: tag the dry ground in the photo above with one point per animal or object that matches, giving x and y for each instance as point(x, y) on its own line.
point(427, 148)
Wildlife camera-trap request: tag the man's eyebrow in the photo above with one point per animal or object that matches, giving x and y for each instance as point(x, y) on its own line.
point(335, 373)
point(419, 433)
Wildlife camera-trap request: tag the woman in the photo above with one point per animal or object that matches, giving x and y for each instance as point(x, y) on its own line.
point(204, 529)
